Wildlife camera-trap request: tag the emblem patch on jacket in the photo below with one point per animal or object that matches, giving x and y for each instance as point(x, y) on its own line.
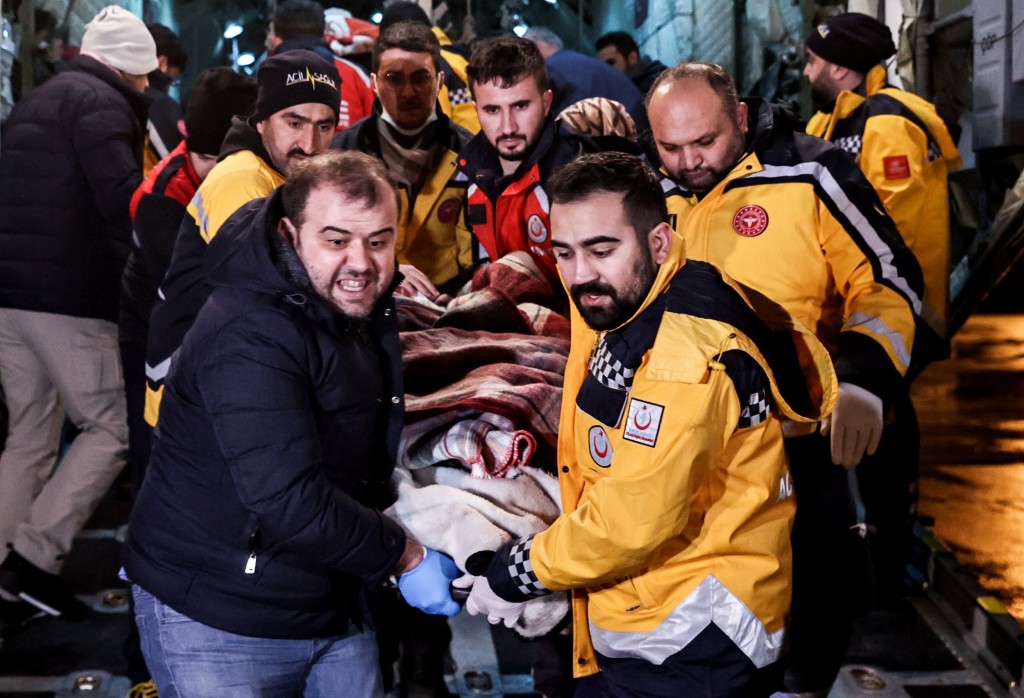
point(600, 446)
point(750, 221)
point(896, 167)
point(642, 422)
point(536, 229)
point(449, 211)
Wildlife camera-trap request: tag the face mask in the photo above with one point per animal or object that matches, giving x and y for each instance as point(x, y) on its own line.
point(389, 120)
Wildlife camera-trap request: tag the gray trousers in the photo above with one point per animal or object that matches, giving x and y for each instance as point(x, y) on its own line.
point(51, 365)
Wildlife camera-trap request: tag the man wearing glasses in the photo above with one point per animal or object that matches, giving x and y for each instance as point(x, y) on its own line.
point(418, 144)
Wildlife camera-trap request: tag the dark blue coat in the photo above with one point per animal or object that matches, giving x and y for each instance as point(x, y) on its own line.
point(573, 76)
point(70, 160)
point(279, 425)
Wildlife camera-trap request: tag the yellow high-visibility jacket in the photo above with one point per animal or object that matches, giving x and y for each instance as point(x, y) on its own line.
point(241, 175)
point(798, 222)
point(906, 152)
point(676, 494)
point(455, 96)
point(432, 236)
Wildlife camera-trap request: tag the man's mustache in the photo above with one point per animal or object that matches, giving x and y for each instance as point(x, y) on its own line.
point(595, 288)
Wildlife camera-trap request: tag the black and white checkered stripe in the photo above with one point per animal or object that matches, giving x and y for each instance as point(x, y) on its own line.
point(851, 144)
point(459, 95)
point(755, 411)
point(609, 371)
point(522, 571)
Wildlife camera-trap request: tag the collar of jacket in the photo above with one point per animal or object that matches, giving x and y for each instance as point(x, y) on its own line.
point(312, 43)
point(243, 136)
point(368, 138)
point(251, 254)
point(160, 81)
point(480, 162)
point(138, 102)
point(848, 101)
point(767, 122)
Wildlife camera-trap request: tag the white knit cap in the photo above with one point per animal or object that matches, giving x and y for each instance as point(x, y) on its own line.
point(120, 39)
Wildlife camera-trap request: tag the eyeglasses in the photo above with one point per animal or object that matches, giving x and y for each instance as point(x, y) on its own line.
point(420, 80)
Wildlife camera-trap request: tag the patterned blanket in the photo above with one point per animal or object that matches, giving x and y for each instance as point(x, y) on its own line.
point(483, 381)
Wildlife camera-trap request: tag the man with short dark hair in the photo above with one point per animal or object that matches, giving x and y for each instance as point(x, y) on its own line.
point(519, 146)
point(419, 145)
point(455, 96)
point(300, 24)
point(294, 118)
point(678, 503)
point(259, 527)
point(619, 50)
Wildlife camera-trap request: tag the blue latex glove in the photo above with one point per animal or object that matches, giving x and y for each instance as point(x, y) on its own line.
point(425, 586)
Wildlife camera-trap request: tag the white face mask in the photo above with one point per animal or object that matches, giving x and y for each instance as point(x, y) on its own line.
point(405, 131)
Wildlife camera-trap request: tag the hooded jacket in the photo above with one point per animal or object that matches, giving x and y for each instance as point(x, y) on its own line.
point(72, 155)
point(676, 495)
point(260, 512)
point(644, 72)
point(433, 235)
point(906, 152)
point(244, 171)
point(797, 221)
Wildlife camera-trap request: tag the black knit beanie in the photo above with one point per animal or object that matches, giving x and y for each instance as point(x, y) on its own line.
point(217, 95)
point(296, 77)
point(852, 40)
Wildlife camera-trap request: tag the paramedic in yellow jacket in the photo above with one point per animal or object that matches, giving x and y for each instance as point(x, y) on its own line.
point(454, 97)
point(905, 151)
point(793, 217)
point(294, 118)
point(900, 143)
point(676, 495)
point(419, 144)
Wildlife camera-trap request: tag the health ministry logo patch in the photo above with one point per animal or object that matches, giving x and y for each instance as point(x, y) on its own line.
point(643, 421)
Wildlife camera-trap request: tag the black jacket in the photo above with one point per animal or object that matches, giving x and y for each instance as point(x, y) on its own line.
point(71, 159)
point(260, 512)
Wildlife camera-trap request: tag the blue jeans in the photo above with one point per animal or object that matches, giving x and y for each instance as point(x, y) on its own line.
point(188, 659)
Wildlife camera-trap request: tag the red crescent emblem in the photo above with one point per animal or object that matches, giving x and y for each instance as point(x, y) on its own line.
point(750, 221)
point(636, 420)
point(600, 446)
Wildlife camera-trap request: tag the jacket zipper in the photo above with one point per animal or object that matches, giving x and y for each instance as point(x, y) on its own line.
point(254, 548)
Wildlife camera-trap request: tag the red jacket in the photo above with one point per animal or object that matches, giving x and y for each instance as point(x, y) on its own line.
point(179, 183)
point(157, 207)
point(511, 213)
point(356, 94)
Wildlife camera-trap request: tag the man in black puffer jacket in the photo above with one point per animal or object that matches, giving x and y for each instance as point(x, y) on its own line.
point(72, 155)
point(259, 522)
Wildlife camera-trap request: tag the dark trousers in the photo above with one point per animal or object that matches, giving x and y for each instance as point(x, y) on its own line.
point(840, 569)
point(133, 363)
point(711, 666)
